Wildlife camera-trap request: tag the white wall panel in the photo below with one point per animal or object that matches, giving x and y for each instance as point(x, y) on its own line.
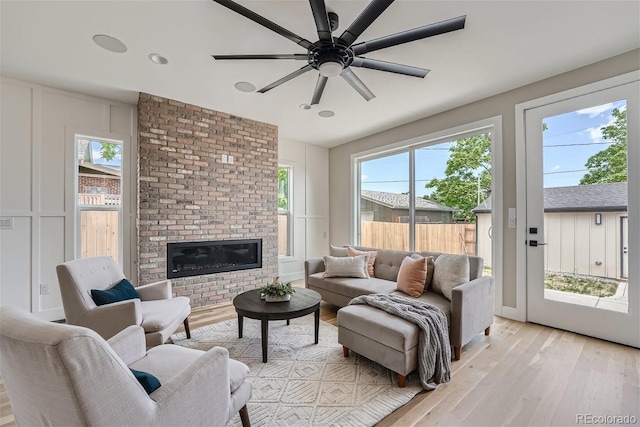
point(15, 264)
point(15, 148)
point(36, 163)
point(58, 112)
point(317, 240)
point(317, 161)
point(51, 254)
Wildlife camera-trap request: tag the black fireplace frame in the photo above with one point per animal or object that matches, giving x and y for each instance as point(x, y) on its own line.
point(198, 272)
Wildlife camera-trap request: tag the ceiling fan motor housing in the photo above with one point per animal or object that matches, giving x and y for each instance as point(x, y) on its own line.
point(322, 52)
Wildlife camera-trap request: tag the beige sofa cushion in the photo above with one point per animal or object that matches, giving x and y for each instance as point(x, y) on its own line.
point(450, 271)
point(412, 276)
point(346, 266)
point(350, 287)
point(371, 258)
point(340, 251)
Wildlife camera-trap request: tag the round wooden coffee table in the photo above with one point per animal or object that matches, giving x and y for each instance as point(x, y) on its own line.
point(303, 302)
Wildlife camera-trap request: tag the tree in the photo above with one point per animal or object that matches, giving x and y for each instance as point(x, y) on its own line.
point(109, 151)
point(283, 187)
point(467, 178)
point(610, 165)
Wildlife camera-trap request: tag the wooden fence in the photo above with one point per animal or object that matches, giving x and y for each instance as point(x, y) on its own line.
point(283, 233)
point(99, 233)
point(447, 238)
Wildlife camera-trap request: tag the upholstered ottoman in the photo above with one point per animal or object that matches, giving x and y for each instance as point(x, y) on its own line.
point(381, 337)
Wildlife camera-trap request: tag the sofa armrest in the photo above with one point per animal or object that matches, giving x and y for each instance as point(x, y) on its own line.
point(155, 291)
point(312, 266)
point(201, 390)
point(129, 344)
point(471, 309)
point(109, 319)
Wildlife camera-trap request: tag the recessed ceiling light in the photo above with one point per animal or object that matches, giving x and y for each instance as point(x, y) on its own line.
point(158, 59)
point(305, 106)
point(326, 113)
point(245, 87)
point(109, 43)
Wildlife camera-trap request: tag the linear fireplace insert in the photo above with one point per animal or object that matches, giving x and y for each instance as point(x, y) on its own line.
point(196, 258)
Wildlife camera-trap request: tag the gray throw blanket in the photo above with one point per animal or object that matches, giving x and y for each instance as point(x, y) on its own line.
point(434, 350)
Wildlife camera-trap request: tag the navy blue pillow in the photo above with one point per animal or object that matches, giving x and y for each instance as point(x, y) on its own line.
point(120, 292)
point(148, 381)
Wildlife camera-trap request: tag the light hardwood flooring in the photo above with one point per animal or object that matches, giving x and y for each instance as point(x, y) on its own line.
point(522, 374)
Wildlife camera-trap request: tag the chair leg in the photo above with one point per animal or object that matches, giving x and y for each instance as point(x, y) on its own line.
point(456, 353)
point(345, 351)
point(401, 380)
point(186, 327)
point(244, 416)
point(487, 331)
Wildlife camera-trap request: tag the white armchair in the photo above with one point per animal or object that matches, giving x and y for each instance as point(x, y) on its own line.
point(63, 375)
point(156, 311)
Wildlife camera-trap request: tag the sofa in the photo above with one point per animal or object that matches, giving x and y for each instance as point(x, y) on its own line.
point(387, 339)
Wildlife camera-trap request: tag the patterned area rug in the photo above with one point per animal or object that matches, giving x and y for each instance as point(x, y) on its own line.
point(303, 384)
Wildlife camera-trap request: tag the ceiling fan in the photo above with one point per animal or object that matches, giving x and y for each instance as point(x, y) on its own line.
point(333, 56)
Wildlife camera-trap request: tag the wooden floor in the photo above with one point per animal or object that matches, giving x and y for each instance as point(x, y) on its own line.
point(522, 374)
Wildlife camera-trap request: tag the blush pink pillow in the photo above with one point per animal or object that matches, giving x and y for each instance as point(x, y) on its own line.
point(412, 276)
point(371, 258)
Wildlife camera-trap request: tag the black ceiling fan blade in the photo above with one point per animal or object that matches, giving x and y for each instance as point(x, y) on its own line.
point(319, 10)
point(298, 56)
point(366, 18)
point(357, 84)
point(317, 93)
point(410, 35)
point(286, 78)
point(392, 67)
point(247, 13)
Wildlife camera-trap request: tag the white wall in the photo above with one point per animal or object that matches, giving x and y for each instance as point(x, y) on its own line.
point(500, 105)
point(38, 125)
point(310, 205)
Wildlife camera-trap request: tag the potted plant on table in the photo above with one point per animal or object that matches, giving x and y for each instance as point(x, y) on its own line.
point(277, 292)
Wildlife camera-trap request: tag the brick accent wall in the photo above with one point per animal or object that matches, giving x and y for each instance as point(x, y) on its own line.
point(187, 194)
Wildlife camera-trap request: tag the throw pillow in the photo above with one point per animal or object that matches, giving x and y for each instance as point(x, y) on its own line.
point(122, 291)
point(148, 381)
point(371, 258)
point(430, 266)
point(346, 266)
point(450, 271)
point(337, 251)
point(412, 276)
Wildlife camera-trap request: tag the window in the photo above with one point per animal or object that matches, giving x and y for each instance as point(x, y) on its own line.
point(429, 196)
point(285, 222)
point(99, 197)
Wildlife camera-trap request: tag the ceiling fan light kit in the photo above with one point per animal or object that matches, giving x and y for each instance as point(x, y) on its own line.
point(335, 56)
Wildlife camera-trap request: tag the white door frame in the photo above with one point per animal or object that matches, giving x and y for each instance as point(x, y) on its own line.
point(520, 312)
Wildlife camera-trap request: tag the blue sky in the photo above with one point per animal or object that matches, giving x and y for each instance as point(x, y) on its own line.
point(570, 139)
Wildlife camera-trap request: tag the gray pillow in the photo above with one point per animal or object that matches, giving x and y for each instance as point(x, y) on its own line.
point(449, 271)
point(355, 266)
point(337, 251)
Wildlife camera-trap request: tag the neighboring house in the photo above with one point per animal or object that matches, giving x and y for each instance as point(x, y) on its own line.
point(585, 228)
point(392, 207)
point(97, 184)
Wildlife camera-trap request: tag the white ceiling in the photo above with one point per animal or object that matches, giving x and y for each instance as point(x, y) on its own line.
point(505, 44)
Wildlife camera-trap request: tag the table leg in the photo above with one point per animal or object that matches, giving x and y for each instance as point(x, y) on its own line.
point(288, 322)
point(265, 339)
point(240, 322)
point(317, 325)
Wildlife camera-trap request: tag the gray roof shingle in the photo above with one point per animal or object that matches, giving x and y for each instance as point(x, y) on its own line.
point(401, 201)
point(602, 197)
